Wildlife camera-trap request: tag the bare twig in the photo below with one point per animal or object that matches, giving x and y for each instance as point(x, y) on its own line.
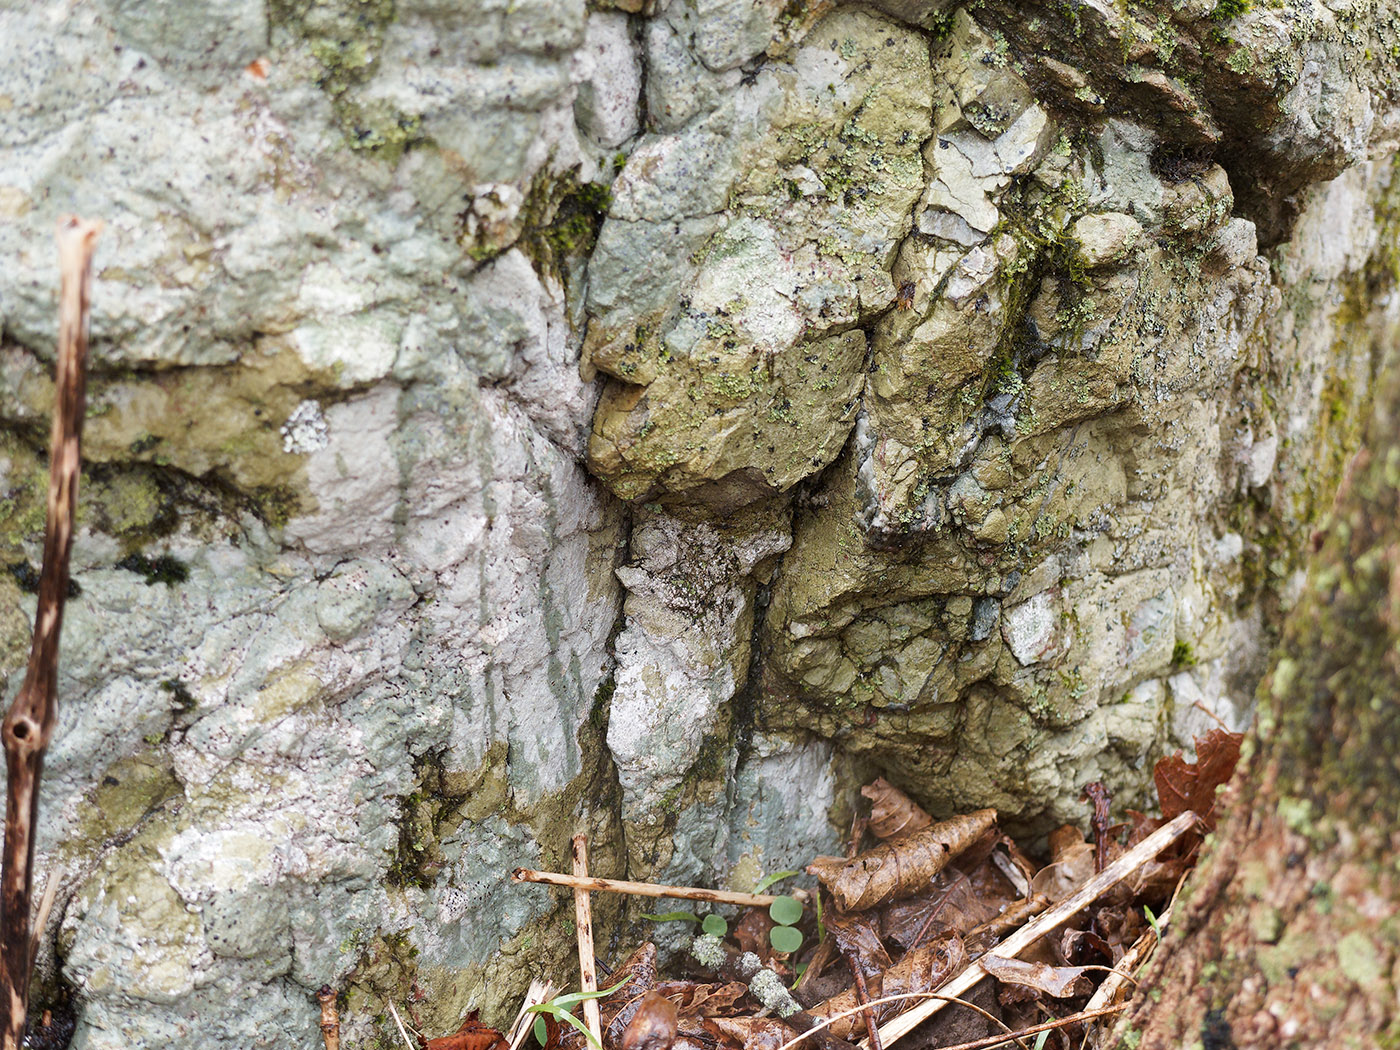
point(32, 716)
point(650, 889)
point(1120, 869)
point(587, 968)
point(863, 997)
point(816, 1029)
point(1059, 1022)
point(858, 825)
point(330, 1017)
point(1218, 720)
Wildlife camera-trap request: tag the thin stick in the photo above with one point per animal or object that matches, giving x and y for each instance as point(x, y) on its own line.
point(898, 1027)
point(399, 1021)
point(863, 997)
point(826, 1022)
point(32, 716)
point(858, 825)
point(1048, 1026)
point(1218, 720)
point(330, 1017)
point(45, 906)
point(587, 967)
point(650, 889)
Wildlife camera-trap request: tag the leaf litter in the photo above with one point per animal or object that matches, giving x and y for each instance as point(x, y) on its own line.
point(929, 905)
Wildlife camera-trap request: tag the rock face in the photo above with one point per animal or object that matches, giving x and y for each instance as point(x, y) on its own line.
point(510, 420)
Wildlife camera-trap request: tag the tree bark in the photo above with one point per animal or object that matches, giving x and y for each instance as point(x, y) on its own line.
point(1290, 928)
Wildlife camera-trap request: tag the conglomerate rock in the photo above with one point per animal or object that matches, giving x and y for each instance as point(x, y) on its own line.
point(646, 418)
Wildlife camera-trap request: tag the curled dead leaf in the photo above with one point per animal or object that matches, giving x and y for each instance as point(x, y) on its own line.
point(892, 812)
point(653, 1024)
point(1071, 864)
point(1062, 982)
point(901, 868)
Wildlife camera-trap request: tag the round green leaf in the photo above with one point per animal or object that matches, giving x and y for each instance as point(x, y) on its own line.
point(541, 1030)
point(786, 911)
point(715, 925)
point(785, 939)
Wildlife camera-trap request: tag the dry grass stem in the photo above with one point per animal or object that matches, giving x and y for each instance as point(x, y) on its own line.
point(399, 1021)
point(540, 991)
point(587, 967)
point(41, 919)
point(827, 1022)
point(1018, 942)
point(1048, 1026)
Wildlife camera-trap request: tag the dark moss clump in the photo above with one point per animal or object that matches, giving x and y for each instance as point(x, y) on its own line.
point(579, 217)
point(562, 219)
point(181, 699)
point(27, 577)
point(164, 569)
point(1183, 655)
point(1225, 10)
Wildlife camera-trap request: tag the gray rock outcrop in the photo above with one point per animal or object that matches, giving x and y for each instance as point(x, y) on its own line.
point(647, 418)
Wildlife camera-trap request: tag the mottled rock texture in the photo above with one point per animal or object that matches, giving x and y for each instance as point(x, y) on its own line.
point(647, 419)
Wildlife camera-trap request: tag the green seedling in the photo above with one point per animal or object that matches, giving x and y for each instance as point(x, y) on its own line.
point(712, 924)
point(787, 913)
point(777, 876)
point(715, 925)
point(560, 1008)
point(786, 939)
point(1152, 921)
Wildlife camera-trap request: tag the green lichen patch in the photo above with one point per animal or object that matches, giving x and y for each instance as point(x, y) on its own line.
point(343, 41)
point(127, 792)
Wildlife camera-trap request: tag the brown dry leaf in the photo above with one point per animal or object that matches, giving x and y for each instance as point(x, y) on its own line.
point(892, 812)
point(708, 1000)
point(1071, 864)
point(991, 933)
point(751, 933)
point(1062, 982)
point(921, 970)
point(902, 868)
point(857, 939)
point(653, 1024)
point(473, 1035)
point(751, 1033)
point(952, 905)
point(1183, 785)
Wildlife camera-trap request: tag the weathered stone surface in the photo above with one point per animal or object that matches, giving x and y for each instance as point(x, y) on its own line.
point(961, 428)
point(747, 246)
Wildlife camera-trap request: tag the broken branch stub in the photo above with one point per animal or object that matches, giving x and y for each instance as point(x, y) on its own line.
point(32, 716)
point(901, 868)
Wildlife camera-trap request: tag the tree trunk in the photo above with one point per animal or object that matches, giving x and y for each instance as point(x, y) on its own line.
point(1290, 930)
